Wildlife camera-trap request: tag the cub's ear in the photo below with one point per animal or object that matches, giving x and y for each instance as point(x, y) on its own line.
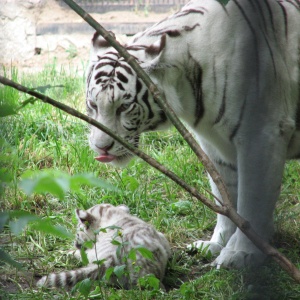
point(99, 46)
point(154, 53)
point(124, 207)
point(84, 217)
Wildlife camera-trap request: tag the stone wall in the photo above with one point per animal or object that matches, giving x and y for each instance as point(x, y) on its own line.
point(18, 19)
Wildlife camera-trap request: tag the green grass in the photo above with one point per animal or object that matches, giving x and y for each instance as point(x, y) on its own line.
point(41, 137)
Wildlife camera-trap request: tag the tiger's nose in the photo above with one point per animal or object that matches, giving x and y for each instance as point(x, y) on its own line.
point(105, 148)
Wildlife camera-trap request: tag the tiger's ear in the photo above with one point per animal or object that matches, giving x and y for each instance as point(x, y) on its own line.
point(84, 217)
point(124, 207)
point(99, 46)
point(154, 53)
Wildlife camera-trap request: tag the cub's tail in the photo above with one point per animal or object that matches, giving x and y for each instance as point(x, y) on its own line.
point(70, 278)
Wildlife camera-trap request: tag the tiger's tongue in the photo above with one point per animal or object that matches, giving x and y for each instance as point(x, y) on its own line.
point(105, 158)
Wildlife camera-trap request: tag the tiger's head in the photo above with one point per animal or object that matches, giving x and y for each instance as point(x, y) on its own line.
point(95, 218)
point(118, 99)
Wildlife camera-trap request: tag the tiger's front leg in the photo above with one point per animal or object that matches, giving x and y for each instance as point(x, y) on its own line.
point(224, 228)
point(260, 167)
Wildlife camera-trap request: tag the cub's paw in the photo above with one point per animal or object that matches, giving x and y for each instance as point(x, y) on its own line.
point(206, 248)
point(234, 259)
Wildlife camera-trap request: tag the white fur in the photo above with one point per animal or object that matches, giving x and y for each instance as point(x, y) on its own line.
point(250, 91)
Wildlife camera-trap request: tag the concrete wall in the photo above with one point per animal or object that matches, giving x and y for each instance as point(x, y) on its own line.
point(18, 29)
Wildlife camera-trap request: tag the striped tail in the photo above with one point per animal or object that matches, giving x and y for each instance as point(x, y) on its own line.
point(70, 278)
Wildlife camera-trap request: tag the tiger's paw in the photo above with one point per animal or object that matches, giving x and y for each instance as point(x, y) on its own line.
point(239, 253)
point(206, 248)
point(233, 259)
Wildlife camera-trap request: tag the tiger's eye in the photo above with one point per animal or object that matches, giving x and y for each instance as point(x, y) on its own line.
point(123, 108)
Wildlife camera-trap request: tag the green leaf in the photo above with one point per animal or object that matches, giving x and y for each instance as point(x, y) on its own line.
point(84, 257)
point(59, 183)
point(5, 257)
point(108, 273)
point(88, 244)
point(132, 254)
point(116, 243)
point(99, 262)
point(84, 287)
point(45, 226)
point(100, 230)
point(5, 175)
point(145, 252)
point(19, 221)
point(149, 281)
point(119, 270)
point(44, 184)
point(6, 109)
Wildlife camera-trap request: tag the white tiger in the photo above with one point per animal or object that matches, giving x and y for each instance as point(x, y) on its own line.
point(99, 224)
point(232, 74)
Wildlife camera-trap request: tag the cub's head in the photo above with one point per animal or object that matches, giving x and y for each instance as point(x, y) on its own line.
point(118, 99)
point(95, 218)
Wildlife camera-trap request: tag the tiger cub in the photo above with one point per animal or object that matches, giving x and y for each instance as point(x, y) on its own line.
point(104, 224)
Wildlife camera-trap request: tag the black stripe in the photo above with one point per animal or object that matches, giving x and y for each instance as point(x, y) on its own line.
point(264, 32)
point(89, 77)
point(173, 33)
point(69, 281)
point(255, 40)
point(223, 104)
point(146, 101)
point(126, 68)
point(261, 12)
point(57, 281)
point(122, 77)
point(105, 64)
point(190, 11)
point(130, 129)
point(271, 16)
point(215, 76)
point(298, 116)
point(138, 86)
point(163, 116)
point(101, 74)
point(188, 28)
point(120, 86)
point(227, 165)
point(198, 93)
point(237, 126)
point(285, 18)
point(271, 54)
